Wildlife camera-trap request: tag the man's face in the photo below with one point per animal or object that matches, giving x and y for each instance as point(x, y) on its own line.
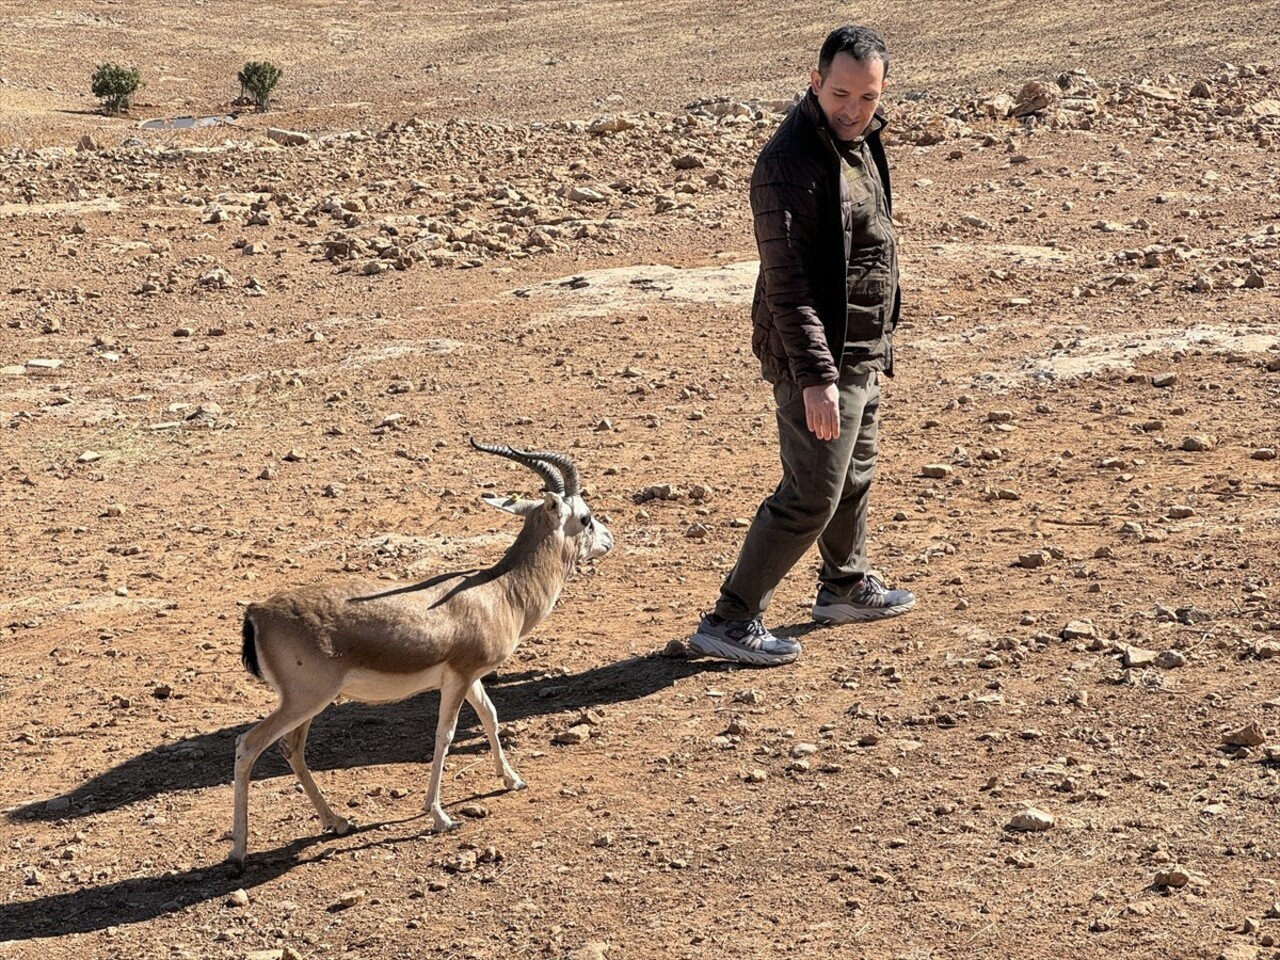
point(850, 94)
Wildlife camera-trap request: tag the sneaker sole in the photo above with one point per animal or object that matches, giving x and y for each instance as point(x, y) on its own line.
point(710, 646)
point(838, 613)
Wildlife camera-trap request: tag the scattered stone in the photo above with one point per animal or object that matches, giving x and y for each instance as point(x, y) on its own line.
point(579, 733)
point(1031, 820)
point(288, 138)
point(1164, 380)
point(1173, 877)
point(603, 125)
point(1171, 659)
point(1033, 560)
point(1197, 443)
point(596, 950)
point(1192, 615)
point(584, 195)
point(348, 900)
point(658, 491)
point(1034, 97)
point(464, 862)
point(676, 649)
point(1079, 630)
point(217, 279)
point(936, 471)
point(238, 898)
point(1137, 656)
point(1250, 735)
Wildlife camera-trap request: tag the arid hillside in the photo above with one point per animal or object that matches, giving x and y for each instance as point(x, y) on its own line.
point(249, 355)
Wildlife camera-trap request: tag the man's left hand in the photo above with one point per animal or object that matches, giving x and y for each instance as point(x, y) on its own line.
point(822, 411)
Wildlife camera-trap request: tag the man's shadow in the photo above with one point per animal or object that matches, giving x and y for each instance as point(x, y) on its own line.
point(338, 740)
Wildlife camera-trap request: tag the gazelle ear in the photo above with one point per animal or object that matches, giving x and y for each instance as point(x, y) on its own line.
point(514, 505)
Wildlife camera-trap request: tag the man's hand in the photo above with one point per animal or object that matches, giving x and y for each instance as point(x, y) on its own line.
point(822, 411)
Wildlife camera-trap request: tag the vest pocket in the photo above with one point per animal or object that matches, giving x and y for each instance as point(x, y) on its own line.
point(866, 302)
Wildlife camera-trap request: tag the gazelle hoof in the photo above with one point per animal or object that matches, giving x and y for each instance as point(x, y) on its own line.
point(340, 826)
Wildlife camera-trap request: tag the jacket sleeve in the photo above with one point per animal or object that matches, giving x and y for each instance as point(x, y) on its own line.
point(787, 211)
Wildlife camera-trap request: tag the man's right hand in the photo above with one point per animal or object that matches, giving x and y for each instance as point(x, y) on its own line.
point(822, 411)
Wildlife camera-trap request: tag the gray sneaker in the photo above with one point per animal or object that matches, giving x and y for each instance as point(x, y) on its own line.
point(869, 600)
point(747, 641)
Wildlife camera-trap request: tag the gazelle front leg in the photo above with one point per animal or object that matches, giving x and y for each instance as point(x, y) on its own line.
point(483, 706)
point(452, 691)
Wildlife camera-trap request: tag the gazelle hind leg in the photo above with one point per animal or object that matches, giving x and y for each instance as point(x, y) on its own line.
point(483, 706)
point(287, 716)
point(452, 691)
point(294, 745)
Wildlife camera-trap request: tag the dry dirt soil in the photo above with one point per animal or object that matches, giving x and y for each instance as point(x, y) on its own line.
point(236, 361)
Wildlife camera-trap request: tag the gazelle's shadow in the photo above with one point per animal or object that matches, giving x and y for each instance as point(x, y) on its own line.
point(139, 899)
point(355, 734)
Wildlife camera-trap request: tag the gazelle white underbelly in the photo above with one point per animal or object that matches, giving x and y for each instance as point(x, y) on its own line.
point(374, 687)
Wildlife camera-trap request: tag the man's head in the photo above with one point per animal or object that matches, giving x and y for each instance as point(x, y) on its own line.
point(852, 69)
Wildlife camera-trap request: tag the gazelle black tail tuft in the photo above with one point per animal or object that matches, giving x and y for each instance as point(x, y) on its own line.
point(249, 649)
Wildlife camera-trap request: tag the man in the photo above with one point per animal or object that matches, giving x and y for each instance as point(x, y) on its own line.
point(826, 304)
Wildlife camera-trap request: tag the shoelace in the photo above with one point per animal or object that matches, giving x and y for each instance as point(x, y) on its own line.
point(874, 584)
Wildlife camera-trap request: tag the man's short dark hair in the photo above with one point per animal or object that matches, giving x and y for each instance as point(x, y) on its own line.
point(861, 43)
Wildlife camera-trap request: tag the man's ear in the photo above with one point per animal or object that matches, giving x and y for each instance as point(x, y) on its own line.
point(815, 81)
point(511, 504)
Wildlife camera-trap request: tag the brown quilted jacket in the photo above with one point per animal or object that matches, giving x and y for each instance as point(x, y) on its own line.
point(804, 223)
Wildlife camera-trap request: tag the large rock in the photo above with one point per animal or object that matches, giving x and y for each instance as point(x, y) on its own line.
point(603, 125)
point(1031, 820)
point(1034, 97)
point(288, 138)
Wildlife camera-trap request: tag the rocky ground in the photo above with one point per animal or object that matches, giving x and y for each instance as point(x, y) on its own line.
point(242, 357)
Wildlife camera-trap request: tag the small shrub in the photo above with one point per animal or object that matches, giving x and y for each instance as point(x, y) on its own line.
point(258, 79)
point(115, 85)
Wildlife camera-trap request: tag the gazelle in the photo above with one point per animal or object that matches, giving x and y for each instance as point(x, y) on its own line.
point(380, 643)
